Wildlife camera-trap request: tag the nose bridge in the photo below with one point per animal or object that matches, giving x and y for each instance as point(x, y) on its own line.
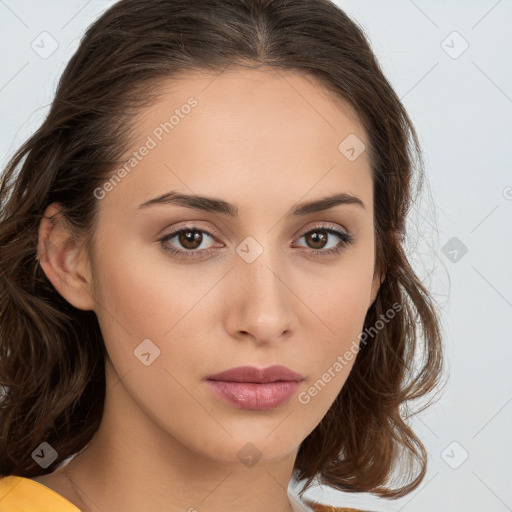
point(263, 298)
point(259, 267)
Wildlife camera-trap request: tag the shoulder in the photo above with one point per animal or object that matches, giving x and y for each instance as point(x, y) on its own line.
point(19, 493)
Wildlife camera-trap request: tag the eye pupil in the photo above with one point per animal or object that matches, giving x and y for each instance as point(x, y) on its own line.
point(318, 236)
point(190, 237)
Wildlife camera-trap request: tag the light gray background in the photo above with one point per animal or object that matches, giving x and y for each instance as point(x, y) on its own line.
point(461, 104)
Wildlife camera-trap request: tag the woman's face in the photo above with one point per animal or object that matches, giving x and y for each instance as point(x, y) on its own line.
point(250, 284)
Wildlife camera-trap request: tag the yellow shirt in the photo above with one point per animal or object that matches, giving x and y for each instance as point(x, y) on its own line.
point(20, 494)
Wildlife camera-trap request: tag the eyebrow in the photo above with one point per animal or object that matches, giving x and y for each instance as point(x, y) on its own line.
point(211, 204)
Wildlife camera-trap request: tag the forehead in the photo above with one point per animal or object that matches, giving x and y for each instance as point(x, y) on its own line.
point(245, 133)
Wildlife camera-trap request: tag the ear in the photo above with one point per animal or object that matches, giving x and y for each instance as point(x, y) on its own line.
point(63, 261)
point(377, 281)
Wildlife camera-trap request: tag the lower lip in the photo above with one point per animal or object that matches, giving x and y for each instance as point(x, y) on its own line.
point(250, 395)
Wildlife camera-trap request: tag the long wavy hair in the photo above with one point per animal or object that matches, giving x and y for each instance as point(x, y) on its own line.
point(52, 355)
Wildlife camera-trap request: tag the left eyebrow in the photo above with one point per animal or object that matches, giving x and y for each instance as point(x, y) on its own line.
point(215, 205)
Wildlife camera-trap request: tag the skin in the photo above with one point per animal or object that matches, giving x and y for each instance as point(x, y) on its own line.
point(264, 141)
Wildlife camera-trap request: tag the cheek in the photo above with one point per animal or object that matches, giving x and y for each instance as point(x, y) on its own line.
point(127, 297)
point(135, 290)
point(341, 303)
point(340, 307)
point(133, 304)
point(142, 297)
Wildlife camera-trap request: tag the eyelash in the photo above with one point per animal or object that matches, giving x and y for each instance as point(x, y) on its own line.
point(345, 240)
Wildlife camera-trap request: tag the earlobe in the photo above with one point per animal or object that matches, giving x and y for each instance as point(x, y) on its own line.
point(63, 261)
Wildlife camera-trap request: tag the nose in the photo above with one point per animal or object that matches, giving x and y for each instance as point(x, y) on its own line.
point(262, 305)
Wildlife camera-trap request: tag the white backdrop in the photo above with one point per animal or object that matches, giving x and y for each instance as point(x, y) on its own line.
point(451, 64)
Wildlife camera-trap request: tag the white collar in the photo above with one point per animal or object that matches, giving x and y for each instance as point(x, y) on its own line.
point(298, 505)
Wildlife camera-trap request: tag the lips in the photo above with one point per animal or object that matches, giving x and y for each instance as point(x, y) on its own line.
point(248, 387)
point(257, 375)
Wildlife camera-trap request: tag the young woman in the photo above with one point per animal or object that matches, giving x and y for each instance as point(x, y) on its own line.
point(204, 287)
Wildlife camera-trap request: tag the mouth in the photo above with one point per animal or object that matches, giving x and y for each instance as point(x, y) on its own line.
point(256, 375)
point(249, 387)
point(254, 395)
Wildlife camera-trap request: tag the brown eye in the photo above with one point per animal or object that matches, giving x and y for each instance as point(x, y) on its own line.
point(188, 242)
point(319, 237)
point(316, 239)
point(190, 239)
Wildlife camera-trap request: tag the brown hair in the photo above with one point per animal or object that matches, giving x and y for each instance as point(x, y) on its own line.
point(52, 355)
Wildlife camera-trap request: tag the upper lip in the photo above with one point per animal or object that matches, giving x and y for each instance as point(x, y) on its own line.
point(259, 375)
